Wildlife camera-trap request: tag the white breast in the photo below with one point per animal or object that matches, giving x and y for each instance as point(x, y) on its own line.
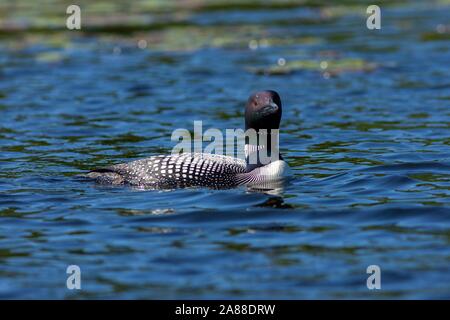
point(274, 170)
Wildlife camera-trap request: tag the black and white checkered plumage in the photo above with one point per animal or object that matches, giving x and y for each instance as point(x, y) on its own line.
point(175, 171)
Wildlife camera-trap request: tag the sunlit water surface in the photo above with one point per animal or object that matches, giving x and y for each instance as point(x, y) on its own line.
point(369, 150)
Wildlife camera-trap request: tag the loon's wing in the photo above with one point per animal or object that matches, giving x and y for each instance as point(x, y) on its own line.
point(169, 171)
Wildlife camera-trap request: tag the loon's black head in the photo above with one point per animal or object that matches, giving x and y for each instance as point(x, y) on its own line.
point(263, 110)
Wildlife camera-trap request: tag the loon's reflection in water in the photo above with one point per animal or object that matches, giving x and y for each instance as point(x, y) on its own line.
point(276, 187)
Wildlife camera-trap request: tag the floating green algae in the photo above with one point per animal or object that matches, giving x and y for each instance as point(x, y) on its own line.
point(241, 37)
point(435, 36)
point(331, 67)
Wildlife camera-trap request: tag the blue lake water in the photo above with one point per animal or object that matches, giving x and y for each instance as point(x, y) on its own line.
point(367, 135)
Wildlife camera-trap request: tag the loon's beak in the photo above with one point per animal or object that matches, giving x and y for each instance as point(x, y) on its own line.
point(272, 107)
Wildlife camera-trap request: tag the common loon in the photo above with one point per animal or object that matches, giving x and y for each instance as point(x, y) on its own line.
point(262, 113)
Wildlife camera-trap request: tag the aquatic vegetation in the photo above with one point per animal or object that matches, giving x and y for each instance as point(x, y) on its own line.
point(329, 67)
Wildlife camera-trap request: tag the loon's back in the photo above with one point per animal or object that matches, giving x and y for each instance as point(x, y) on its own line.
point(175, 171)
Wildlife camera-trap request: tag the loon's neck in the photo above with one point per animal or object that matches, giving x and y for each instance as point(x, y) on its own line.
point(263, 151)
